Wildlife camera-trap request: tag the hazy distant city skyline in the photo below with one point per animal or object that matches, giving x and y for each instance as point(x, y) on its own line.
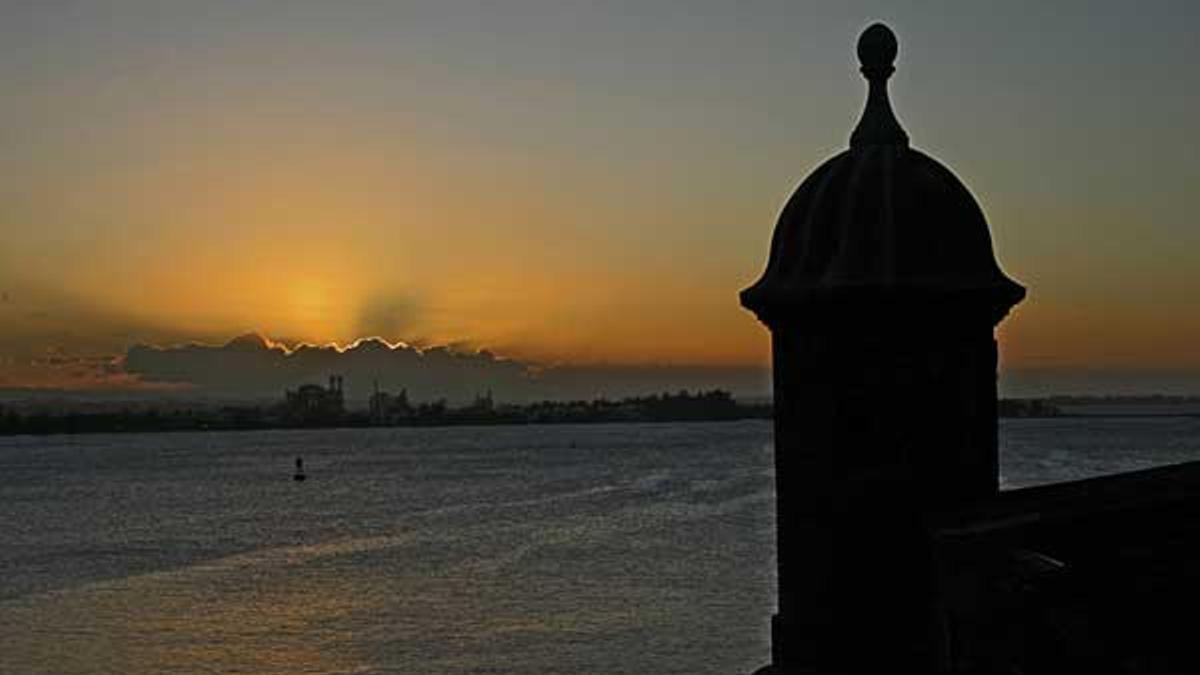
point(581, 185)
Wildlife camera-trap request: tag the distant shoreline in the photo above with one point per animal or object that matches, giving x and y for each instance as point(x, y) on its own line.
point(666, 409)
point(346, 426)
point(317, 408)
point(1121, 415)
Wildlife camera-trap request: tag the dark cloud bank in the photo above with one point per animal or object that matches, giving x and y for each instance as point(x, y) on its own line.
point(253, 367)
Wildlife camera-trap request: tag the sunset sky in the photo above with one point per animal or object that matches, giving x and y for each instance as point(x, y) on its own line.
point(565, 182)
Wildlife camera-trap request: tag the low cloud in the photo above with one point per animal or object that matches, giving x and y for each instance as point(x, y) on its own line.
point(252, 366)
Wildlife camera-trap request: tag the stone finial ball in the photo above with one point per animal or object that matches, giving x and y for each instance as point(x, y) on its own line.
point(877, 47)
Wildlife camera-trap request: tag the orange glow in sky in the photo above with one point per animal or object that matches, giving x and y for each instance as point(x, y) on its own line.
point(581, 186)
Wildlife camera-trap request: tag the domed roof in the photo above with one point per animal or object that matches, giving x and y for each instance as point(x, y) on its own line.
point(880, 221)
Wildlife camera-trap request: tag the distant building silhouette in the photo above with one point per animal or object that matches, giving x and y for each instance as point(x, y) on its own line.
point(314, 404)
point(483, 403)
point(388, 408)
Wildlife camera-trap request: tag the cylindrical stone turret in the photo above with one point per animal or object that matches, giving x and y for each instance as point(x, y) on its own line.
point(882, 294)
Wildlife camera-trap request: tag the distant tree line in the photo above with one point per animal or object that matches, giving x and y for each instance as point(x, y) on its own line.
point(388, 410)
point(1027, 407)
point(1126, 399)
point(681, 406)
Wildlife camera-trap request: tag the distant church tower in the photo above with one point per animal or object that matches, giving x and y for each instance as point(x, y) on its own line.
point(881, 293)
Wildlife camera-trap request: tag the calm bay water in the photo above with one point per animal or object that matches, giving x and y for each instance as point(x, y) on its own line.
point(563, 549)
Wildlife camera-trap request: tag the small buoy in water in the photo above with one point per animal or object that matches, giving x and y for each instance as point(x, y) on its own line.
point(299, 475)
